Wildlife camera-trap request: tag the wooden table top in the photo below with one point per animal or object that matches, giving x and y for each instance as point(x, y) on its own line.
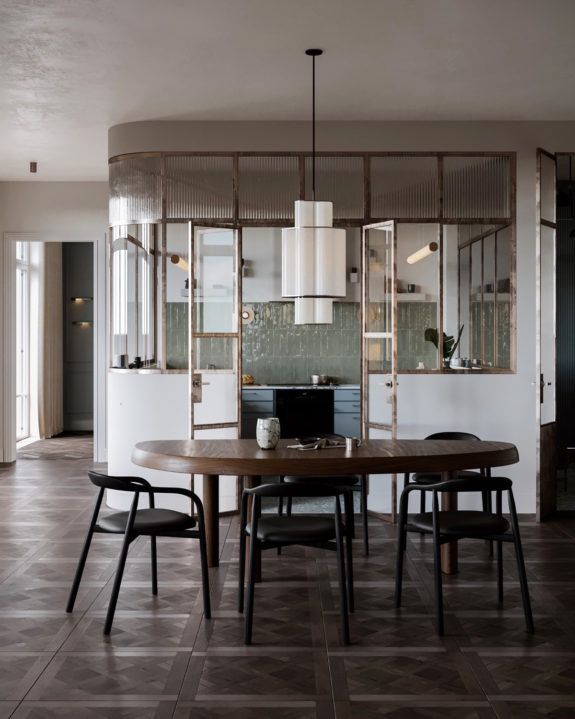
point(375, 456)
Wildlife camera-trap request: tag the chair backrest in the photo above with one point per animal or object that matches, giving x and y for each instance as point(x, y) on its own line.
point(124, 484)
point(303, 489)
point(454, 435)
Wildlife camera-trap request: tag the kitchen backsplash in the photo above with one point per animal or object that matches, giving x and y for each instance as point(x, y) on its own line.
point(277, 351)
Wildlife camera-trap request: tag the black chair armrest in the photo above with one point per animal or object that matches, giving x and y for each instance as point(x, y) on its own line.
point(179, 490)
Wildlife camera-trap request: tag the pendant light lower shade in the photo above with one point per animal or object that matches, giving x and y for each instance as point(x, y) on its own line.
point(313, 263)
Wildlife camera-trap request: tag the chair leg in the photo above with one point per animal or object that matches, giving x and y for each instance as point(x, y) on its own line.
point(401, 546)
point(154, 566)
point(487, 507)
point(422, 502)
point(84, 555)
point(363, 500)
point(439, 620)
point(251, 588)
point(499, 572)
point(288, 506)
point(349, 554)
point(342, 578)
point(204, 563)
point(117, 583)
point(521, 566)
point(242, 571)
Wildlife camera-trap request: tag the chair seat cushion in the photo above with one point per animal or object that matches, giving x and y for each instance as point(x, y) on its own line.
point(431, 478)
point(148, 520)
point(295, 529)
point(335, 481)
point(464, 522)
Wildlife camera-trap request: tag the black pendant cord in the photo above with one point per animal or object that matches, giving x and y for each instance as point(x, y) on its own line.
point(313, 130)
point(313, 53)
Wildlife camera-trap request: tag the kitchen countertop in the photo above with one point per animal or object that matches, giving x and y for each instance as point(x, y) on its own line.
point(300, 386)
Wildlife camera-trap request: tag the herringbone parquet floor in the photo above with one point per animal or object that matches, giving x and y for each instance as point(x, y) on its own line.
point(164, 660)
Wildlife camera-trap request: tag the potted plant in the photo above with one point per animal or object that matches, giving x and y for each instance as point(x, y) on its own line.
point(449, 345)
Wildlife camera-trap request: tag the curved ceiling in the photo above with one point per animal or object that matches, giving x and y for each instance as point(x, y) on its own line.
point(72, 68)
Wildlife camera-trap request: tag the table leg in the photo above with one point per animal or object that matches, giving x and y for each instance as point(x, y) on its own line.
point(449, 549)
point(211, 501)
point(250, 482)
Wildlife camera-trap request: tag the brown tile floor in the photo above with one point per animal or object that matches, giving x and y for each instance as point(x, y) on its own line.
point(164, 660)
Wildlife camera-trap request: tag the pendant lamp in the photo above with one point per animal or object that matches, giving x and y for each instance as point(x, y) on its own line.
point(313, 252)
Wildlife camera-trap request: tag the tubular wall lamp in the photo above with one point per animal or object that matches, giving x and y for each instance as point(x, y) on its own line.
point(313, 252)
point(80, 300)
point(422, 253)
point(180, 262)
point(83, 323)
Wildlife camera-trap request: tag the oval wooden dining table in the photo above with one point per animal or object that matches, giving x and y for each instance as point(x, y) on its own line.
point(243, 457)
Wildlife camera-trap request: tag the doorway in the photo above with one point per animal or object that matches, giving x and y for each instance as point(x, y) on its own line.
point(54, 350)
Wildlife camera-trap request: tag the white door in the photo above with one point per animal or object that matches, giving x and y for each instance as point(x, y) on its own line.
point(379, 372)
point(214, 342)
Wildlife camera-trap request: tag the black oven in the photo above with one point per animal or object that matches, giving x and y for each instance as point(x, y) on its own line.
point(304, 412)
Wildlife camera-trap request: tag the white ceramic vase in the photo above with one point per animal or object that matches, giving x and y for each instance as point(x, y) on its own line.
point(268, 432)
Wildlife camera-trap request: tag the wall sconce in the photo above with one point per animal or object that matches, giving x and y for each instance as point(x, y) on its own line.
point(180, 262)
point(80, 300)
point(422, 253)
point(83, 323)
point(354, 276)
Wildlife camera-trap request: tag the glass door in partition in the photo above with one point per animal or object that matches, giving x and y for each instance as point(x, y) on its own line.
point(379, 328)
point(214, 348)
point(546, 333)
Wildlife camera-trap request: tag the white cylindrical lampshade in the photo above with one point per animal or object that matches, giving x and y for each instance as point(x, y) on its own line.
point(313, 262)
point(312, 310)
point(329, 262)
point(313, 214)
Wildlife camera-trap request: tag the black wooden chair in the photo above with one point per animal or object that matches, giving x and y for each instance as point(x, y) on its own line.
point(271, 531)
point(434, 477)
point(150, 522)
point(447, 526)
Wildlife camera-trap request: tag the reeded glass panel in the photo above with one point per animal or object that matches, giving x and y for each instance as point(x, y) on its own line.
point(199, 186)
point(404, 187)
point(177, 292)
point(339, 180)
point(476, 187)
point(133, 295)
point(418, 296)
point(547, 188)
point(135, 190)
point(268, 187)
point(215, 280)
point(547, 298)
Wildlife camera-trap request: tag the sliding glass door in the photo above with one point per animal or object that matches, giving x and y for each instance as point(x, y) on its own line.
point(22, 340)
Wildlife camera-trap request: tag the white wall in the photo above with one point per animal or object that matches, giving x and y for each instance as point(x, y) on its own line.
point(59, 212)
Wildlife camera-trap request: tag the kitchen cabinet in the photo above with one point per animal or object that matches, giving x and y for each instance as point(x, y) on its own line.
point(260, 402)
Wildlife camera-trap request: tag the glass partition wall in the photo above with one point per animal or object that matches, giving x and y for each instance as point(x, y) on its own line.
point(463, 204)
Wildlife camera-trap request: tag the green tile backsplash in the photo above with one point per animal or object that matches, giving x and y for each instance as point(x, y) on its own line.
point(276, 350)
